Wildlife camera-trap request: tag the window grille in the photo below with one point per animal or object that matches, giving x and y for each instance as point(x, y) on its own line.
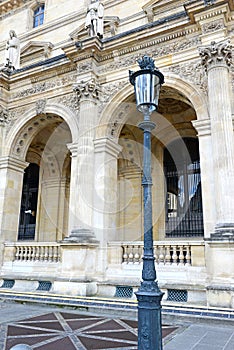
point(123, 292)
point(8, 284)
point(184, 216)
point(177, 295)
point(44, 285)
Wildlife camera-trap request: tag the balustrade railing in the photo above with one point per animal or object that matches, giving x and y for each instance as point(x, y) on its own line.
point(164, 253)
point(37, 252)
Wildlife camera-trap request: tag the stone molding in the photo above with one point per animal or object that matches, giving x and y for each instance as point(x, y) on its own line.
point(216, 54)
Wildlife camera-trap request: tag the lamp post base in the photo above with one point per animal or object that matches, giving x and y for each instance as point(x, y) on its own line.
point(149, 299)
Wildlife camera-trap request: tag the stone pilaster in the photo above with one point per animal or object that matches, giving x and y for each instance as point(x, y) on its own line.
point(216, 59)
point(206, 162)
point(11, 175)
point(88, 95)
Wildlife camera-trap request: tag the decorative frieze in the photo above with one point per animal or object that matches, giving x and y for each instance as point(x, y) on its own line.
point(156, 48)
point(41, 87)
point(216, 54)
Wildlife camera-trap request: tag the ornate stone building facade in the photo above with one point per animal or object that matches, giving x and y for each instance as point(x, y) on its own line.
point(71, 151)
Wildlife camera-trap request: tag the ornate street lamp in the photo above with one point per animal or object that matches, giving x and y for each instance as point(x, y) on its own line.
point(147, 83)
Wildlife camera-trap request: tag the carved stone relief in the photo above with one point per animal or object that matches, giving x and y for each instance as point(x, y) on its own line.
point(5, 116)
point(212, 26)
point(70, 100)
point(109, 90)
point(191, 72)
point(40, 106)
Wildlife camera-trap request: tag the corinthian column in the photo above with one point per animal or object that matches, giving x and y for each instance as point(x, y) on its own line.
point(87, 94)
point(216, 59)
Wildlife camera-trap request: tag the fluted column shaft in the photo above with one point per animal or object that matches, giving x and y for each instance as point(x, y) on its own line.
point(217, 59)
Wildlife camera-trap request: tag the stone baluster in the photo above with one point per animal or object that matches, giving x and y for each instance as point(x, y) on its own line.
point(156, 254)
point(17, 253)
point(130, 255)
point(188, 255)
point(167, 255)
point(51, 253)
point(181, 255)
point(56, 256)
point(41, 258)
point(46, 253)
point(37, 255)
point(33, 257)
point(174, 255)
point(161, 255)
point(137, 255)
point(25, 255)
point(125, 254)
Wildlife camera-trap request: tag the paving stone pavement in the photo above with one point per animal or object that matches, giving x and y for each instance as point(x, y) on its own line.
point(48, 328)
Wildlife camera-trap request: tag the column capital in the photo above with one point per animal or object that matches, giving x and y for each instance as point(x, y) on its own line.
point(13, 164)
point(216, 54)
point(203, 127)
point(73, 148)
point(87, 90)
point(107, 145)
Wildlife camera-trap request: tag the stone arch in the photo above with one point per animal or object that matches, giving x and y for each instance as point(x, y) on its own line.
point(23, 132)
point(115, 115)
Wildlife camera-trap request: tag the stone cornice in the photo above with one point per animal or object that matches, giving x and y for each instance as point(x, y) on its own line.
point(7, 6)
point(199, 10)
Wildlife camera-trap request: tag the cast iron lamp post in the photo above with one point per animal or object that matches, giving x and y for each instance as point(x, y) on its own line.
point(147, 83)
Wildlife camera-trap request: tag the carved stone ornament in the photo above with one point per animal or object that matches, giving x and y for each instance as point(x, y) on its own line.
point(212, 26)
point(216, 54)
point(40, 106)
point(4, 116)
point(87, 90)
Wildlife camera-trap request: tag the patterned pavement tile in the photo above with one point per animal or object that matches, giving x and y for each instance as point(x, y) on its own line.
point(63, 330)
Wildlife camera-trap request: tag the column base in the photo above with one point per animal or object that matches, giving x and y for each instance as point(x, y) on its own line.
point(81, 235)
point(224, 231)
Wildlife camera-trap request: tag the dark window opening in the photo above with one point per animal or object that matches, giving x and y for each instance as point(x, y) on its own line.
point(184, 217)
point(28, 210)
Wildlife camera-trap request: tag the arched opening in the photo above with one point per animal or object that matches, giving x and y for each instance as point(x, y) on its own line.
point(46, 183)
point(174, 148)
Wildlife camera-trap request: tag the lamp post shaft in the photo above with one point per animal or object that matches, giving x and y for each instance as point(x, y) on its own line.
point(149, 295)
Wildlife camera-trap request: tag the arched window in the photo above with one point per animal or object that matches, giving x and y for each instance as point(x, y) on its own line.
point(184, 215)
point(38, 15)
